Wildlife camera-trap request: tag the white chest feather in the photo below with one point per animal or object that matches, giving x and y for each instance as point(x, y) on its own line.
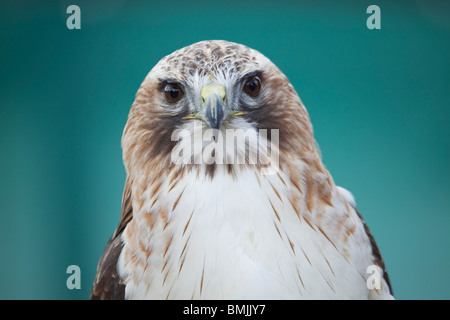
point(236, 238)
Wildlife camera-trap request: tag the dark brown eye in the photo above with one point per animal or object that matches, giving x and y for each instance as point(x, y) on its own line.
point(173, 92)
point(253, 86)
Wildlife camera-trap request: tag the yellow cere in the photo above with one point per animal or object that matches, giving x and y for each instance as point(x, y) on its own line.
point(211, 90)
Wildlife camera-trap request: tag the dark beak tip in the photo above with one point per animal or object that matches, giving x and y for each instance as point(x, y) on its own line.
point(215, 133)
point(215, 118)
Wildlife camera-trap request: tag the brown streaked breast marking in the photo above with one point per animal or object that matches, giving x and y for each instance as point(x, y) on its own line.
point(276, 192)
point(138, 202)
point(306, 256)
point(131, 228)
point(149, 219)
point(320, 213)
point(165, 265)
point(154, 201)
point(201, 281)
point(172, 186)
point(345, 254)
point(163, 213)
point(137, 191)
point(325, 235)
point(166, 225)
point(294, 200)
point(350, 231)
point(132, 257)
point(329, 265)
point(144, 249)
point(292, 245)
point(308, 222)
point(324, 192)
point(175, 174)
point(275, 211)
point(277, 229)
point(281, 178)
point(300, 277)
point(310, 185)
point(155, 188)
point(165, 276)
point(184, 247)
point(187, 224)
point(181, 265)
point(170, 289)
point(134, 278)
point(178, 199)
point(329, 284)
point(169, 242)
point(295, 178)
point(341, 223)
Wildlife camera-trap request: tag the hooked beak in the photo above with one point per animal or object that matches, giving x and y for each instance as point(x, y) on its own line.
point(214, 110)
point(213, 104)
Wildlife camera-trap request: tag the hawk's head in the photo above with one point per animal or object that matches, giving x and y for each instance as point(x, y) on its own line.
point(214, 85)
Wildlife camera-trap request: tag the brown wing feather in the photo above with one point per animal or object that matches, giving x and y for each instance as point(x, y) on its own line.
point(378, 259)
point(107, 284)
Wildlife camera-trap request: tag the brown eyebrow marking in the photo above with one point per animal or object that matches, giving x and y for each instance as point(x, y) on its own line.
point(165, 81)
point(257, 73)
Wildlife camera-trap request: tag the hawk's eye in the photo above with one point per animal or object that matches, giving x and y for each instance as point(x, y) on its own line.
point(253, 86)
point(173, 92)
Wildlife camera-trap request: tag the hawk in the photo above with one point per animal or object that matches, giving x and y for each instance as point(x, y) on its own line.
point(197, 223)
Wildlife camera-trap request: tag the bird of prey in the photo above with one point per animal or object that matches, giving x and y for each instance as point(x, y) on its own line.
point(197, 223)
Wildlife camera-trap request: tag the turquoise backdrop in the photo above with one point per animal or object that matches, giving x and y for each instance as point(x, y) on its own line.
point(379, 101)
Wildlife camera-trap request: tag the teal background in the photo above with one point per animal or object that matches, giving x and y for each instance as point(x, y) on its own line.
point(379, 101)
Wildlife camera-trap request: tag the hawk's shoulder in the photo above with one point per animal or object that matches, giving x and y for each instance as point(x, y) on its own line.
point(107, 283)
point(377, 258)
